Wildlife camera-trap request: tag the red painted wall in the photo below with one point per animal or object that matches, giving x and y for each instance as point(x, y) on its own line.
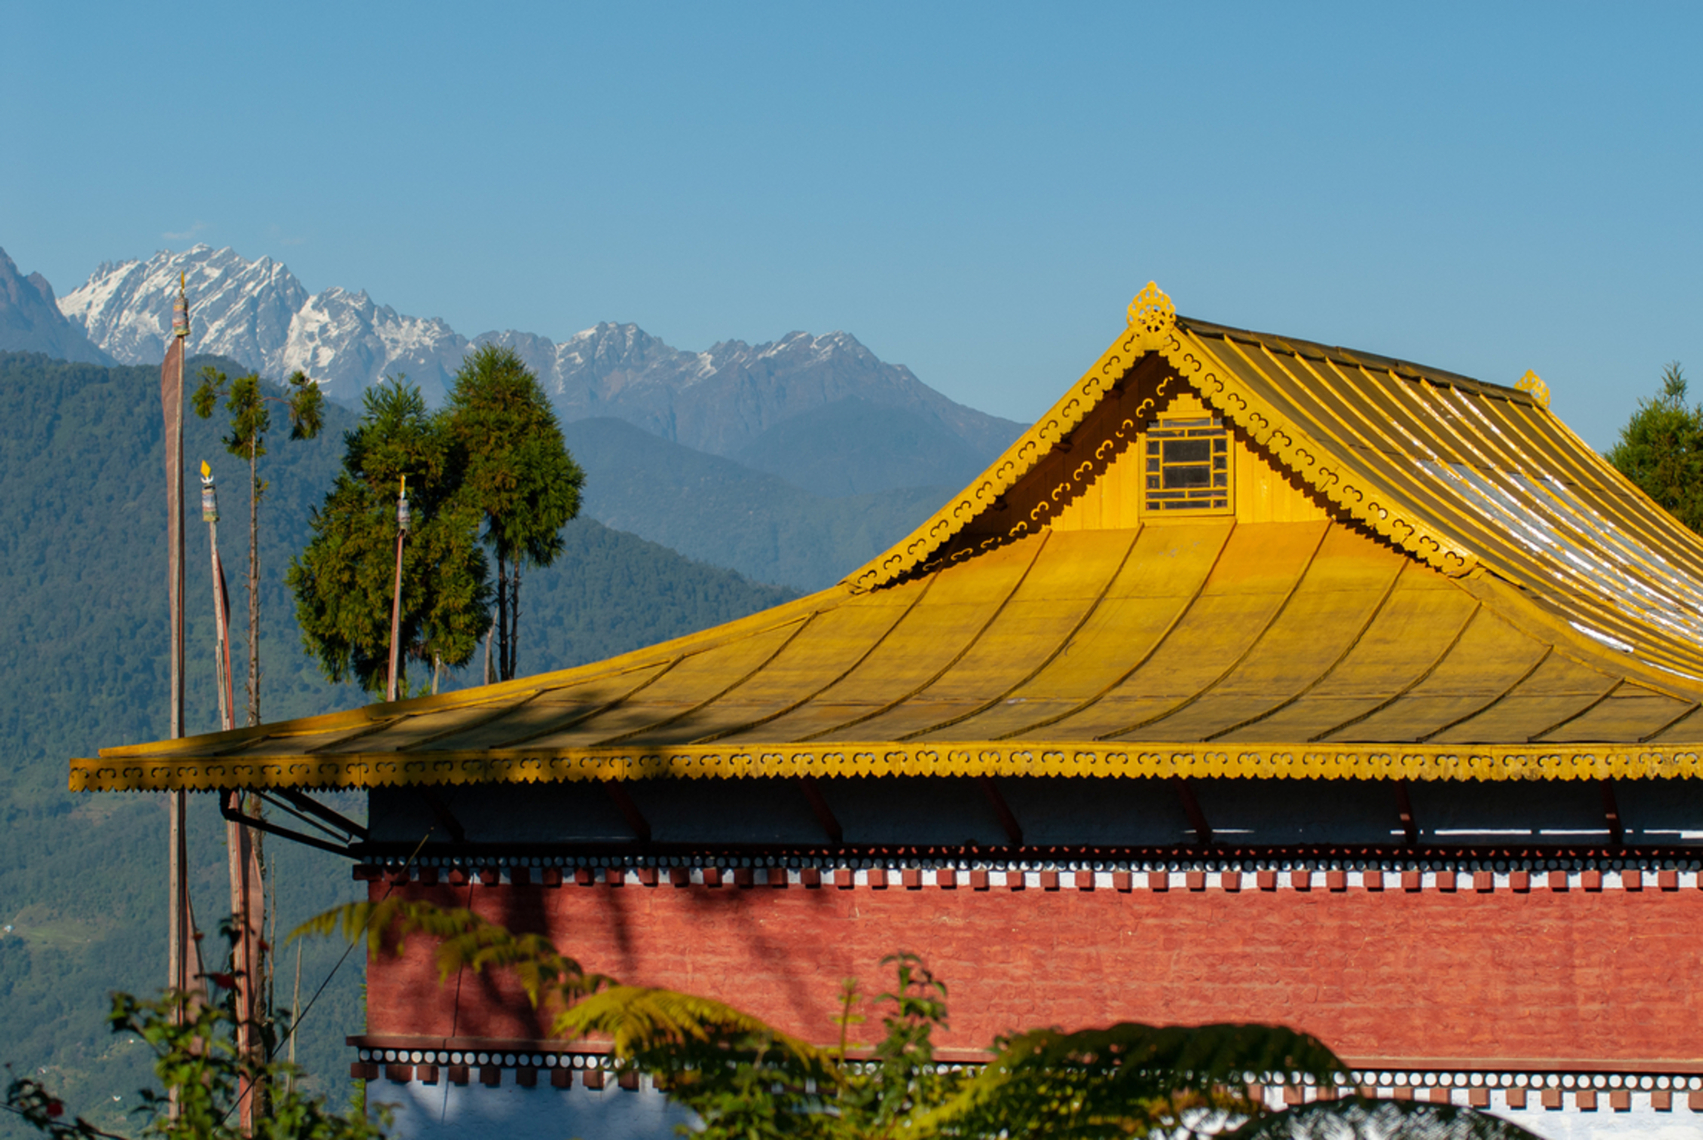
point(1575, 975)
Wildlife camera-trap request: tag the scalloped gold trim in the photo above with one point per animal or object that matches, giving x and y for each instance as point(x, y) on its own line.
point(1152, 318)
point(1201, 368)
point(1153, 328)
point(969, 758)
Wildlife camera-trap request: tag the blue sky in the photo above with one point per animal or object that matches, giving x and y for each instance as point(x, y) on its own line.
point(972, 190)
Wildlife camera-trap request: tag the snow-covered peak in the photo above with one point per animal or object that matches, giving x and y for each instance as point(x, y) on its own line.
point(237, 308)
point(717, 400)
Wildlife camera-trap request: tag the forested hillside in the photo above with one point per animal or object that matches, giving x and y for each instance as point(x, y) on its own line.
point(731, 514)
point(82, 574)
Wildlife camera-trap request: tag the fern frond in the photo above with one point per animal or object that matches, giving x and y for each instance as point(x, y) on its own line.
point(641, 1020)
point(464, 940)
point(1357, 1119)
point(1140, 1075)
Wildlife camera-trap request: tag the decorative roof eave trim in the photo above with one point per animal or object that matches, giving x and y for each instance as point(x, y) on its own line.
point(1153, 328)
point(118, 772)
point(1151, 320)
point(1374, 506)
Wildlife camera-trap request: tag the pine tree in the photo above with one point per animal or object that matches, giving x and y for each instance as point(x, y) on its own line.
point(1661, 450)
point(343, 581)
point(519, 475)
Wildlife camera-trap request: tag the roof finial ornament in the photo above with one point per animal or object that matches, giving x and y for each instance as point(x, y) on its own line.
point(1152, 312)
point(1533, 383)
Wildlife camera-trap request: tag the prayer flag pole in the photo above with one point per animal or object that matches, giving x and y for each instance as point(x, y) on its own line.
point(181, 937)
point(247, 898)
point(402, 521)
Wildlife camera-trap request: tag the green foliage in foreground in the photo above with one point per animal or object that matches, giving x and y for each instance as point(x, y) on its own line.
point(745, 1080)
point(1661, 450)
point(195, 1055)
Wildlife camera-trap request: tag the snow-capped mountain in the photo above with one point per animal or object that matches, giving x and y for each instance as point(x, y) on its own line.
point(722, 400)
point(256, 312)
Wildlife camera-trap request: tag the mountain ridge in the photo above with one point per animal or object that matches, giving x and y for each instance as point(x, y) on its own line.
point(717, 400)
point(31, 321)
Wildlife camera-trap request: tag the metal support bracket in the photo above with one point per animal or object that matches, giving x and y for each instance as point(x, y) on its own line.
point(228, 807)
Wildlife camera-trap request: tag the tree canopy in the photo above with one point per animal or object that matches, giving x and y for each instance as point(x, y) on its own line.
point(343, 581)
point(1661, 449)
point(518, 474)
point(246, 401)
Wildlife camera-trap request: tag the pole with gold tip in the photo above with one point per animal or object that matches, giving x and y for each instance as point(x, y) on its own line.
point(221, 603)
point(402, 522)
point(246, 897)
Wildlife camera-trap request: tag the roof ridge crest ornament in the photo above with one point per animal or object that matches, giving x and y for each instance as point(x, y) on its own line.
point(1151, 313)
point(1533, 383)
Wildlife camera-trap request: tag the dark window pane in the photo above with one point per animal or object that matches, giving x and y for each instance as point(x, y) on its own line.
point(1188, 450)
point(1187, 477)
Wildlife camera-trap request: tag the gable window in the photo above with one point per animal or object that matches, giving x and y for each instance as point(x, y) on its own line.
point(1188, 465)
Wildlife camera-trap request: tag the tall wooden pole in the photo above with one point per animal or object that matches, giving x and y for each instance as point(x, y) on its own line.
point(396, 592)
point(247, 907)
point(180, 940)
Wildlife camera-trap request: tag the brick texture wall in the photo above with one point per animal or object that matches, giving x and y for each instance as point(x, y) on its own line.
point(1467, 976)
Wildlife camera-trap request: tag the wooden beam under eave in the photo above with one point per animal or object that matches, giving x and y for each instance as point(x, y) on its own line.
point(1404, 809)
point(1611, 813)
point(1007, 820)
point(1191, 808)
point(819, 807)
point(629, 810)
point(440, 812)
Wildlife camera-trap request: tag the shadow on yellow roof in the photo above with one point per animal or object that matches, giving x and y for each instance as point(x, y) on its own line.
point(1221, 553)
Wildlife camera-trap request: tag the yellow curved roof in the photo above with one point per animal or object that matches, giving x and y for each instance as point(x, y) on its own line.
point(1418, 575)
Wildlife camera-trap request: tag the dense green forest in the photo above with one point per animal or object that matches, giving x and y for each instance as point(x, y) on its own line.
point(82, 576)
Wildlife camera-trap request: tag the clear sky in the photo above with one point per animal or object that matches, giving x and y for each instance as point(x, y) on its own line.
point(974, 190)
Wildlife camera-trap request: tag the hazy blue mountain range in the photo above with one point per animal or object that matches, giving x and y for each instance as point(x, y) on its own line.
point(822, 412)
point(719, 511)
point(30, 320)
point(82, 575)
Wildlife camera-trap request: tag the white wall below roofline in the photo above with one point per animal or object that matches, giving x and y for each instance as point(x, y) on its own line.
point(445, 1111)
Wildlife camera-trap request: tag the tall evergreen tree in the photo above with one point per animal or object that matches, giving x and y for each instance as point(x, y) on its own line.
point(1661, 450)
point(251, 419)
point(519, 475)
point(343, 581)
